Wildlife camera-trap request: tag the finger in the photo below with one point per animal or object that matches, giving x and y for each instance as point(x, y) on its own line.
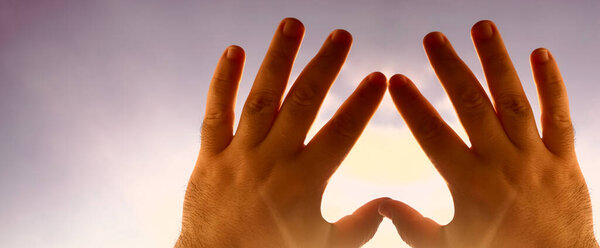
point(302, 104)
point(557, 128)
point(356, 229)
point(442, 145)
point(217, 126)
point(332, 143)
point(472, 105)
point(510, 100)
point(265, 96)
point(416, 230)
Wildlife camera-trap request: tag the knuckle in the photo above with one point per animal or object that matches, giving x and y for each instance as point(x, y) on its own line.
point(345, 126)
point(205, 135)
point(514, 105)
point(500, 62)
point(448, 57)
point(262, 103)
point(277, 57)
point(305, 96)
point(430, 127)
point(220, 78)
point(555, 84)
point(560, 119)
point(325, 59)
point(555, 89)
point(217, 115)
point(220, 88)
point(472, 100)
point(212, 120)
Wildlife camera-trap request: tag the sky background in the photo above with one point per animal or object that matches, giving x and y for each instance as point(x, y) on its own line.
point(101, 103)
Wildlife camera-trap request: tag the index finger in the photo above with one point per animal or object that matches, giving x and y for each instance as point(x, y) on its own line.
point(264, 98)
point(332, 143)
point(443, 146)
point(512, 106)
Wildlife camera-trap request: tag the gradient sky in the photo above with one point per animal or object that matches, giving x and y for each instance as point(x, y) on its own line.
point(101, 103)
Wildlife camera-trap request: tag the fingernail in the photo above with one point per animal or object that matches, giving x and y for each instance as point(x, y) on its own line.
point(233, 52)
point(542, 55)
point(483, 30)
point(435, 38)
point(341, 36)
point(292, 28)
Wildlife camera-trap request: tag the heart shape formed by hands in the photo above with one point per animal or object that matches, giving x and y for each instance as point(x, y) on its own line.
point(262, 187)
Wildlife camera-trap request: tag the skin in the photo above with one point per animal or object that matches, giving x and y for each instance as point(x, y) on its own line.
point(511, 187)
point(262, 187)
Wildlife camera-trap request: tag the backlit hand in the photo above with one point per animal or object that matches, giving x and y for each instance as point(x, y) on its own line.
point(262, 187)
point(511, 187)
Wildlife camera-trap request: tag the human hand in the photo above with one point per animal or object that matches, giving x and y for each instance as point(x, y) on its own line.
point(511, 188)
point(262, 187)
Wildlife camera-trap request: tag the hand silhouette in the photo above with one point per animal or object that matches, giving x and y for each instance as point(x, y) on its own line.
point(511, 188)
point(262, 187)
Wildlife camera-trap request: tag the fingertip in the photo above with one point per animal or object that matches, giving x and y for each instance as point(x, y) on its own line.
point(341, 36)
point(377, 77)
point(371, 207)
point(483, 29)
point(389, 206)
point(410, 224)
point(434, 39)
point(540, 55)
point(376, 80)
point(356, 229)
point(398, 80)
point(384, 210)
point(292, 27)
point(234, 52)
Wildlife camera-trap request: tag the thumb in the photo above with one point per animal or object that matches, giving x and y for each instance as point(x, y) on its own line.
point(415, 230)
point(356, 229)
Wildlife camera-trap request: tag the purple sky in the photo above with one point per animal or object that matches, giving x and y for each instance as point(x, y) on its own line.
point(101, 100)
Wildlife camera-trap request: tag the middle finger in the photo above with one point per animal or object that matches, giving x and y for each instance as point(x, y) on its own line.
point(472, 105)
point(302, 103)
point(510, 100)
point(264, 99)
